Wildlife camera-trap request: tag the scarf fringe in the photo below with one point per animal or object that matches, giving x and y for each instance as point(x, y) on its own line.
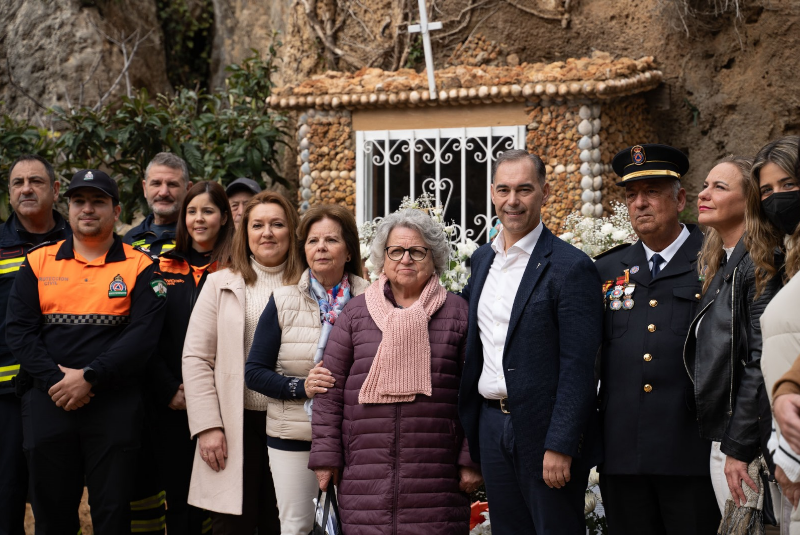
point(741, 521)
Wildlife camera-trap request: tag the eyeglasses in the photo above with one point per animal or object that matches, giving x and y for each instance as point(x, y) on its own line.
point(396, 253)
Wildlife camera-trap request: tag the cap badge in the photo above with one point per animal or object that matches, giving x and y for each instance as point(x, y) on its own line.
point(117, 288)
point(637, 155)
point(88, 176)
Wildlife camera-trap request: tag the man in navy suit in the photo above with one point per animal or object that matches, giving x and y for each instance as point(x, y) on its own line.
point(528, 390)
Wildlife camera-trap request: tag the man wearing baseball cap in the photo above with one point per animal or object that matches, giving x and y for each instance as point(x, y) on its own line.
point(84, 314)
point(239, 192)
point(655, 478)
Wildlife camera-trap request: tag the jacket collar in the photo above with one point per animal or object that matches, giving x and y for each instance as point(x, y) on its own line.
point(116, 253)
point(685, 259)
point(537, 264)
point(14, 234)
point(144, 228)
point(736, 257)
point(357, 285)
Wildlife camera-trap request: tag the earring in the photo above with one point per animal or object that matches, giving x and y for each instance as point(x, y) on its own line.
point(348, 258)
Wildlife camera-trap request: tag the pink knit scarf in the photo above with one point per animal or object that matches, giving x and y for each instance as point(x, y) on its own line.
point(402, 367)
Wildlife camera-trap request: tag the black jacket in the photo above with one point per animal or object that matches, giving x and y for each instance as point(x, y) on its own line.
point(15, 242)
point(143, 237)
point(649, 424)
point(185, 278)
point(723, 358)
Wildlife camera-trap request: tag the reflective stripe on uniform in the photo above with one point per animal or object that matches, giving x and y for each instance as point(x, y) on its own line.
point(146, 526)
point(167, 247)
point(206, 526)
point(149, 503)
point(84, 319)
point(11, 264)
point(8, 372)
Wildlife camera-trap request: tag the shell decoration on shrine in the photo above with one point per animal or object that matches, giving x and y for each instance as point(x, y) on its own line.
point(580, 113)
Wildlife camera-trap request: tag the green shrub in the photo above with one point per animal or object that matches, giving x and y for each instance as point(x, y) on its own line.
point(222, 135)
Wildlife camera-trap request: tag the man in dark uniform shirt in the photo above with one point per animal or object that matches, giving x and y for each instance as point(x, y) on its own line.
point(655, 478)
point(33, 190)
point(166, 182)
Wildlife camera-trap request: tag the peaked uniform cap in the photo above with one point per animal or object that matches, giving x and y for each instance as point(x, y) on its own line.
point(648, 161)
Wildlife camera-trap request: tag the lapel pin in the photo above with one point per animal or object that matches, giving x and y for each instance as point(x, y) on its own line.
point(634, 270)
point(537, 265)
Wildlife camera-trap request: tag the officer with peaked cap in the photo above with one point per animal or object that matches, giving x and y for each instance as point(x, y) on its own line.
point(655, 478)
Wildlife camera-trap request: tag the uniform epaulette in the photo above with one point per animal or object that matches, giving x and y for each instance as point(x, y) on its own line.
point(43, 244)
point(607, 252)
point(146, 252)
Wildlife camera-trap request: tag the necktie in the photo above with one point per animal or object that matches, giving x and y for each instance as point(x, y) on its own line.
point(656, 258)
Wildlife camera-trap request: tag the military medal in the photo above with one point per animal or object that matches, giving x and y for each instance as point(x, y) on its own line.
point(616, 304)
point(627, 303)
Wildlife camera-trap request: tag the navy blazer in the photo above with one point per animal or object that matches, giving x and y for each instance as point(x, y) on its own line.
point(553, 340)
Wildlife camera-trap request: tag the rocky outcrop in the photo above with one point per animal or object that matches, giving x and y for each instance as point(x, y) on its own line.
point(60, 51)
point(240, 26)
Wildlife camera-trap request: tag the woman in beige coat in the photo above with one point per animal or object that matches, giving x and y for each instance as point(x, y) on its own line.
point(285, 362)
point(231, 475)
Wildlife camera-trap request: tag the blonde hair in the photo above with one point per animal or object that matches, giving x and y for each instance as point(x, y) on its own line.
point(782, 152)
point(240, 258)
point(709, 259)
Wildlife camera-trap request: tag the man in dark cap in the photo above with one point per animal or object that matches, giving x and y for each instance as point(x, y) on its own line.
point(84, 313)
point(655, 478)
point(239, 192)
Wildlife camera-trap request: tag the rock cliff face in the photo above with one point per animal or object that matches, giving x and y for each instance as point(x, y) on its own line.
point(728, 87)
point(59, 51)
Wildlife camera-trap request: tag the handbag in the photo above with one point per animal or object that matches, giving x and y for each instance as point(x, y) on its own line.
point(330, 525)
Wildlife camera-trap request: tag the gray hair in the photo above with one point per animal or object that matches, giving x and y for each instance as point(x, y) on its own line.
point(516, 155)
point(414, 219)
point(173, 161)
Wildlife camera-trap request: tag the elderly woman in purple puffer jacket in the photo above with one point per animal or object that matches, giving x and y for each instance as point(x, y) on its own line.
point(388, 432)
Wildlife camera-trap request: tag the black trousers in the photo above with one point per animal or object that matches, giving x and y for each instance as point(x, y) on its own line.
point(174, 454)
point(659, 505)
point(260, 507)
point(13, 467)
point(520, 502)
point(97, 444)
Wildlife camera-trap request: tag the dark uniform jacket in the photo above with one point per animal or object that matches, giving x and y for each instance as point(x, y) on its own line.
point(15, 242)
point(549, 356)
point(646, 397)
point(724, 359)
point(144, 237)
point(184, 278)
point(105, 314)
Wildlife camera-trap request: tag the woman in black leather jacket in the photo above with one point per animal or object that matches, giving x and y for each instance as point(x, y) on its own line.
point(723, 348)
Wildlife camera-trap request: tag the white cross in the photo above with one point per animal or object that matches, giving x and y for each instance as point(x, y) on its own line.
point(424, 28)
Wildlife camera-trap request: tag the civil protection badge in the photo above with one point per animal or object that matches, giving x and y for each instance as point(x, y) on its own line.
point(117, 288)
point(88, 176)
point(159, 287)
point(638, 156)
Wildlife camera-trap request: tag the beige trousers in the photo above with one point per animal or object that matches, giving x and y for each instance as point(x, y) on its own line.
point(296, 489)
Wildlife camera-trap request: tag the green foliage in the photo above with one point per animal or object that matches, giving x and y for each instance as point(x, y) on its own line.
point(187, 27)
point(222, 135)
point(416, 53)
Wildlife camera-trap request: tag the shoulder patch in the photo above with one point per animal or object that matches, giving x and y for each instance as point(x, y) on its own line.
point(614, 249)
point(159, 286)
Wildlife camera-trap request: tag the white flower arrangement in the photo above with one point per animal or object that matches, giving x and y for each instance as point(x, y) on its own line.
point(456, 275)
point(596, 235)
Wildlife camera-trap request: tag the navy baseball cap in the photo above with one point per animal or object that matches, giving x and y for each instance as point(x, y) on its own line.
point(93, 178)
point(243, 184)
point(648, 161)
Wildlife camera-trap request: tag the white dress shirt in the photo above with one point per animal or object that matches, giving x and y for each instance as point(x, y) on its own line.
point(494, 308)
point(669, 251)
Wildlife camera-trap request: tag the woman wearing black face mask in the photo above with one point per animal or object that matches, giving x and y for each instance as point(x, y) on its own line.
point(776, 170)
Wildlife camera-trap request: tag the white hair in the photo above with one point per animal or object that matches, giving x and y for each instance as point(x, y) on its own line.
point(414, 219)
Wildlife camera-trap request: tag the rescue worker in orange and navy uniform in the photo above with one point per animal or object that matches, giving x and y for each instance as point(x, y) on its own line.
point(203, 245)
point(83, 318)
point(33, 190)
